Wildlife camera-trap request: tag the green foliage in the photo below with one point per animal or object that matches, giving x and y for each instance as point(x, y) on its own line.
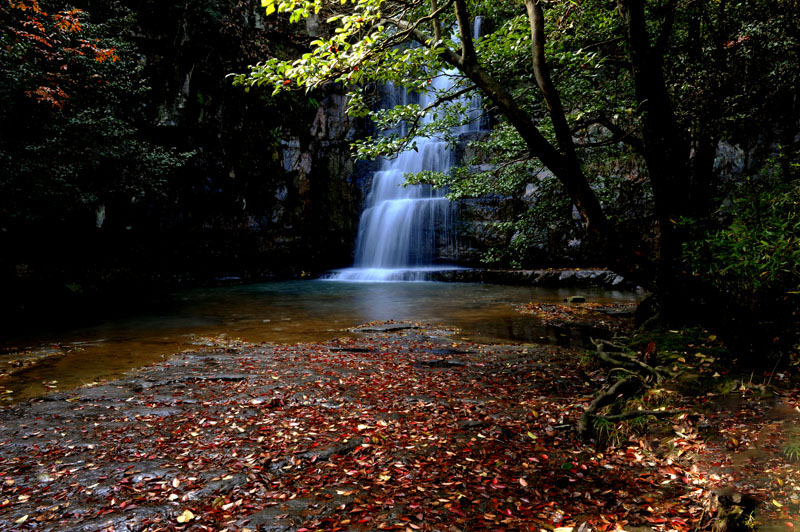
point(62, 158)
point(439, 122)
point(607, 432)
point(791, 447)
point(792, 450)
point(735, 66)
point(675, 341)
point(758, 253)
point(641, 424)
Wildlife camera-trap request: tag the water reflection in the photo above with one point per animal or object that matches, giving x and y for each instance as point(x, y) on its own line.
point(281, 312)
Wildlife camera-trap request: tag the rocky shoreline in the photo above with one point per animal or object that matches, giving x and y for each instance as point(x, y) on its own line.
point(547, 277)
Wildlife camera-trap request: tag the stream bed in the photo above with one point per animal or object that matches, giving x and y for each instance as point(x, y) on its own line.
point(284, 312)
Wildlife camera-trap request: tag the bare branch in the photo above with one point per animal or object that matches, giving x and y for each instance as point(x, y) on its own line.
point(465, 30)
point(518, 159)
point(409, 30)
point(600, 44)
point(437, 30)
point(618, 134)
point(619, 359)
point(449, 97)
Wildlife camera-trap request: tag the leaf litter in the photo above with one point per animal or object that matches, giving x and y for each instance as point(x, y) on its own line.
point(400, 429)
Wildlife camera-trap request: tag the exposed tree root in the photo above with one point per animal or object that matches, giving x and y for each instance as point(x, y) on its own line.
point(625, 387)
point(639, 377)
point(733, 510)
point(641, 413)
point(636, 366)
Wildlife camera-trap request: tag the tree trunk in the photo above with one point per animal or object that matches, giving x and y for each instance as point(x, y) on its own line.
point(577, 187)
point(665, 150)
point(562, 159)
point(566, 169)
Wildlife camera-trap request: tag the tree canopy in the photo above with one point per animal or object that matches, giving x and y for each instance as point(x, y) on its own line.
point(71, 90)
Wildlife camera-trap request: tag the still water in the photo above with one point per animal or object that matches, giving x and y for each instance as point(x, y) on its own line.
point(279, 312)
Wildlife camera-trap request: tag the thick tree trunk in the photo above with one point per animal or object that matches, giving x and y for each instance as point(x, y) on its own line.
point(577, 187)
point(566, 171)
point(665, 150)
point(562, 160)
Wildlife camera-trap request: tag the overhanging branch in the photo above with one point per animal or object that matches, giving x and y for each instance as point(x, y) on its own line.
point(618, 134)
point(465, 30)
point(409, 30)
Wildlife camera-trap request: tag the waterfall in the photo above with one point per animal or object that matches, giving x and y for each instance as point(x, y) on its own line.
point(402, 228)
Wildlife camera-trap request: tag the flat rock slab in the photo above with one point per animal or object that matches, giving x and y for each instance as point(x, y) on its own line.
point(555, 277)
point(386, 327)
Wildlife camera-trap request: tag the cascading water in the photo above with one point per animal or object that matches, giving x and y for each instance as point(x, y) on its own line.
point(402, 228)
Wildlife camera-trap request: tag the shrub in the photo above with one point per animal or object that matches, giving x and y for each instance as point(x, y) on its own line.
point(757, 255)
point(752, 262)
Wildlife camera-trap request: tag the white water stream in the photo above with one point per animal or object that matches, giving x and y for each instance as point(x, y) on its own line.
point(403, 229)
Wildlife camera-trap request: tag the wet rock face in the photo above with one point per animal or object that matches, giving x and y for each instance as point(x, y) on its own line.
point(326, 183)
point(477, 227)
point(271, 181)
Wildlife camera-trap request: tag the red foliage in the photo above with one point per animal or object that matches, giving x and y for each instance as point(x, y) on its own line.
point(53, 42)
point(54, 96)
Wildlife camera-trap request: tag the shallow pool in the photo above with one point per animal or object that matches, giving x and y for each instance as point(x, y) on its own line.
point(280, 312)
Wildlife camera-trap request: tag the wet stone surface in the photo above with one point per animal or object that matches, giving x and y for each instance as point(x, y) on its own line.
point(381, 432)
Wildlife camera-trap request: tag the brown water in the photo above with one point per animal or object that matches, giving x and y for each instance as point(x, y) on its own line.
point(279, 312)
